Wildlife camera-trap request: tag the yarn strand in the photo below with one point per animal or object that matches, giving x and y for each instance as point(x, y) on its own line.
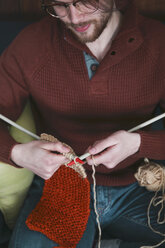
point(95, 200)
point(157, 183)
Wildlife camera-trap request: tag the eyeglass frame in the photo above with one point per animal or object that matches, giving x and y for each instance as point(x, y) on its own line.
point(45, 8)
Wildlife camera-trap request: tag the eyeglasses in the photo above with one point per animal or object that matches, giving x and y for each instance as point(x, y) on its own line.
point(60, 9)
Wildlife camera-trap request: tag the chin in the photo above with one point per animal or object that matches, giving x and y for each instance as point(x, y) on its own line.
point(84, 37)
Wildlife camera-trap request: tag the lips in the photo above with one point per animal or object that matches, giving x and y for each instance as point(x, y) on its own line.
point(82, 28)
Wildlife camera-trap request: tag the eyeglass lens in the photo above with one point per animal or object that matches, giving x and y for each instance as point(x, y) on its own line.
point(61, 9)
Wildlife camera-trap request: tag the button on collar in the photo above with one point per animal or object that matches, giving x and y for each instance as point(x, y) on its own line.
point(113, 53)
point(94, 67)
point(131, 40)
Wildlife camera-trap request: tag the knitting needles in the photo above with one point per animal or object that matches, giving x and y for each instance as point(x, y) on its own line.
point(144, 124)
point(84, 156)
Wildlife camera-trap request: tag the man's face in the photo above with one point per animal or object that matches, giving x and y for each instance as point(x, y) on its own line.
point(87, 27)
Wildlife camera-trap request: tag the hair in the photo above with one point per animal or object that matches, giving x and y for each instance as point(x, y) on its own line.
point(106, 6)
point(103, 5)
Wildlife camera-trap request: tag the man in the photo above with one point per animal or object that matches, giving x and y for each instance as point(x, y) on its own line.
point(92, 72)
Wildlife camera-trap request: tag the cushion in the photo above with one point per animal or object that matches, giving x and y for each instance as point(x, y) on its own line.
point(15, 182)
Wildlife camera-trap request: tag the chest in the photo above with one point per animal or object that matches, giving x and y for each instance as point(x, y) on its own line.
point(63, 86)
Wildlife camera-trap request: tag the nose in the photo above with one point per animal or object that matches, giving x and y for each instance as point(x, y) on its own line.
point(75, 15)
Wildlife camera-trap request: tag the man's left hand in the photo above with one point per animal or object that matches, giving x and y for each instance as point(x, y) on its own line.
point(114, 149)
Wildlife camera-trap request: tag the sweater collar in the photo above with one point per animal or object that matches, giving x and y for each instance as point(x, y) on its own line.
point(129, 32)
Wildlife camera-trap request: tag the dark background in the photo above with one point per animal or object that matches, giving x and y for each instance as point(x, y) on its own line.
point(31, 10)
point(16, 14)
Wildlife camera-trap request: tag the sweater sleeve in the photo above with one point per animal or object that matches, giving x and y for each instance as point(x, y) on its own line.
point(152, 145)
point(153, 139)
point(14, 94)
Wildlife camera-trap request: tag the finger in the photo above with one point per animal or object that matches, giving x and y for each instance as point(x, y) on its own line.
point(56, 146)
point(57, 159)
point(102, 145)
point(106, 157)
point(52, 164)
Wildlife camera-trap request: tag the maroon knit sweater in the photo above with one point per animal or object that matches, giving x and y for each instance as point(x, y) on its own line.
point(47, 64)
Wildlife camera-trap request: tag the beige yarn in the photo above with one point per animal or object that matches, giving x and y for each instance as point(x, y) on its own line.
point(70, 155)
point(152, 176)
point(95, 202)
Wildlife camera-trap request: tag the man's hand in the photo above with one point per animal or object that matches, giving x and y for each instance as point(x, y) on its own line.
point(38, 157)
point(114, 149)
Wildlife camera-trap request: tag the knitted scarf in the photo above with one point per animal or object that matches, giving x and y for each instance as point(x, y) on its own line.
point(63, 210)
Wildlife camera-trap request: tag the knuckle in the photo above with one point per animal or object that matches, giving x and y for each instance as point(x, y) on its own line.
point(46, 177)
point(121, 132)
point(111, 165)
point(60, 146)
point(48, 170)
point(117, 135)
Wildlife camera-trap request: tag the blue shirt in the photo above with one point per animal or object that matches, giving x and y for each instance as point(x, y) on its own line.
point(91, 64)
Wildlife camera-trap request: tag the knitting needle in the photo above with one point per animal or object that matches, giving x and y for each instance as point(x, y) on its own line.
point(18, 127)
point(12, 123)
point(144, 124)
point(84, 156)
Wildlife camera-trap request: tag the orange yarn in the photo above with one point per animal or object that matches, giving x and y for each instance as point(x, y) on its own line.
point(63, 210)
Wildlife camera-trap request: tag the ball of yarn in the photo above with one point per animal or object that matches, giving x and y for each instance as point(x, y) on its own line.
point(151, 175)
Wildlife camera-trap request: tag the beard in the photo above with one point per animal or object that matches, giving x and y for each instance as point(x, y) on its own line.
point(98, 27)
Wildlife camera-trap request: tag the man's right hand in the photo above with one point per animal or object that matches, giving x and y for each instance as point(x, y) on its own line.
point(38, 157)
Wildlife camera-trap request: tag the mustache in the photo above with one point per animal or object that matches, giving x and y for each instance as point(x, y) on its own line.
point(81, 24)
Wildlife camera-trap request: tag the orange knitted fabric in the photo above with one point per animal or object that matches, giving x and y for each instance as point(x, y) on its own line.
point(63, 210)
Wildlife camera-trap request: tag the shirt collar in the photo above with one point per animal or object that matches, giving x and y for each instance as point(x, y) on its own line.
point(129, 31)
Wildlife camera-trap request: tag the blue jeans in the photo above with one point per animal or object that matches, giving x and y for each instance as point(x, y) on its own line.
point(122, 211)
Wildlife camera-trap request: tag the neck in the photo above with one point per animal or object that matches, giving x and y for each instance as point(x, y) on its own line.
point(100, 47)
